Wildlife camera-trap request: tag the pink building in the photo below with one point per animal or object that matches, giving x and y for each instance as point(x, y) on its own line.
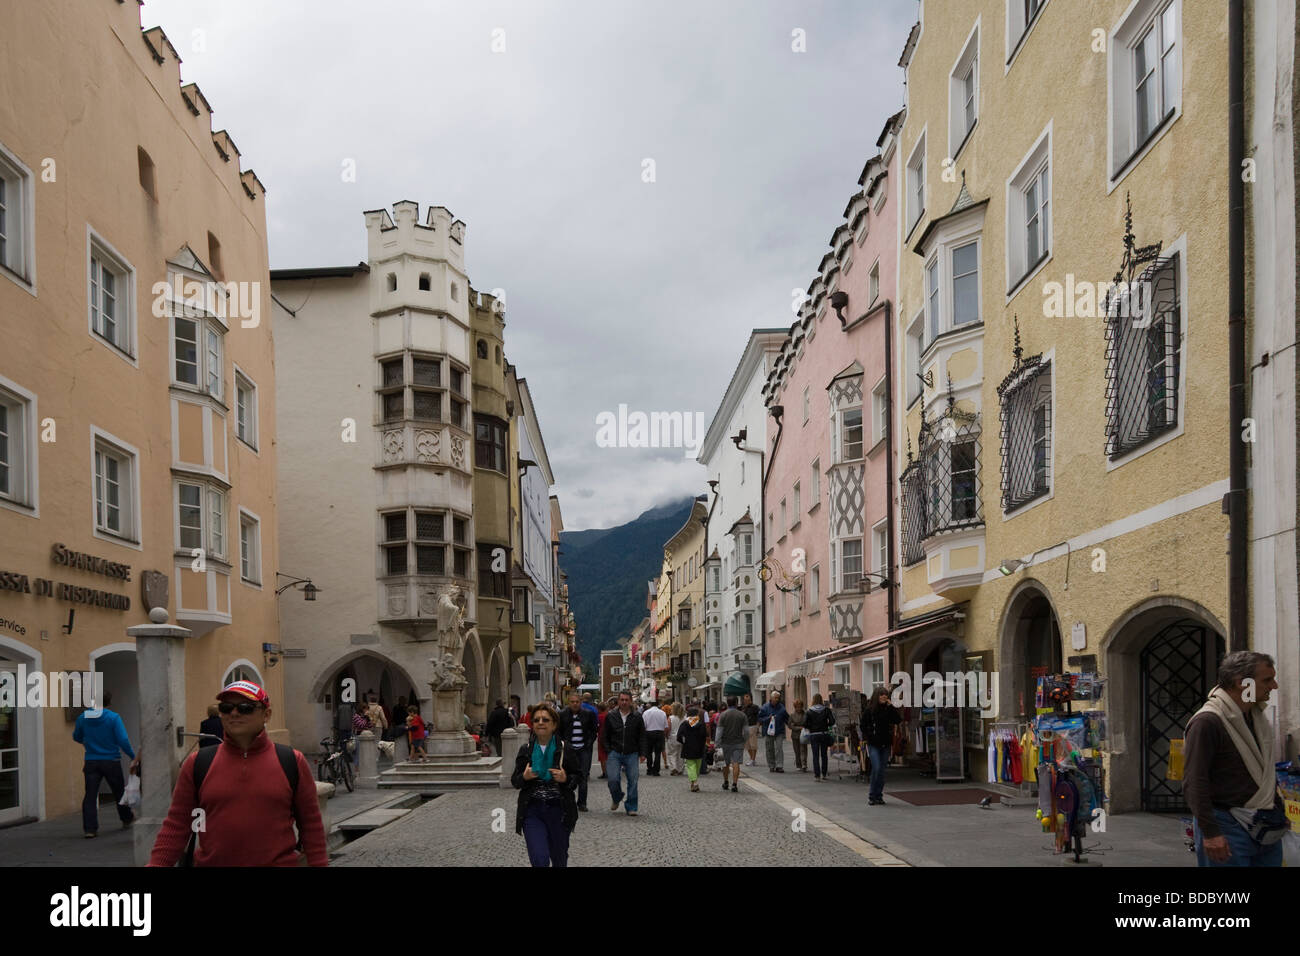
point(826, 500)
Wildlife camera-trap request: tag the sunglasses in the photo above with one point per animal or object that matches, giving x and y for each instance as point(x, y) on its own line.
point(245, 707)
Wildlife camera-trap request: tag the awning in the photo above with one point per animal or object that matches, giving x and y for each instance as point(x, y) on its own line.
point(737, 683)
point(770, 679)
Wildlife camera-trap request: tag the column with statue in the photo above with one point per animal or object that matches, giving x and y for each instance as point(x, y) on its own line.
point(447, 731)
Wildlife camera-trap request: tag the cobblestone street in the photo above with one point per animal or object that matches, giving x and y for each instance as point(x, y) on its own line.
point(673, 827)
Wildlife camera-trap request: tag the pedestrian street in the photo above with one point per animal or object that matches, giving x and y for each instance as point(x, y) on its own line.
point(674, 827)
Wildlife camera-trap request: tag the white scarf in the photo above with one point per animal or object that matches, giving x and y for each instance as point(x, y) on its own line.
point(1256, 751)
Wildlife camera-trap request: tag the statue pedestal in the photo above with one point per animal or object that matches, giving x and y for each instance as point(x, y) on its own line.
point(447, 735)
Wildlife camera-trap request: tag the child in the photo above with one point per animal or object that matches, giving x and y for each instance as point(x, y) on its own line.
point(415, 734)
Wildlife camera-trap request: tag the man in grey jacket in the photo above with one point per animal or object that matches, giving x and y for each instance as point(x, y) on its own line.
point(733, 731)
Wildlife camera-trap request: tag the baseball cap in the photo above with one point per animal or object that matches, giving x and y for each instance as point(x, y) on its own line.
point(245, 688)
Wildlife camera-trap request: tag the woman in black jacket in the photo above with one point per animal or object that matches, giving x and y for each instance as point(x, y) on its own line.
point(818, 724)
point(879, 718)
point(693, 735)
point(546, 776)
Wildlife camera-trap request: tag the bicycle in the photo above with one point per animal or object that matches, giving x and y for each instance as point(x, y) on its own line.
point(334, 765)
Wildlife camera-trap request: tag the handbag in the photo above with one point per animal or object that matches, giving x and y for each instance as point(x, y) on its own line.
point(1265, 827)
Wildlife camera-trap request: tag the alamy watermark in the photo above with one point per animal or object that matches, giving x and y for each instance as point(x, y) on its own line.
point(950, 689)
point(55, 689)
point(650, 430)
point(228, 300)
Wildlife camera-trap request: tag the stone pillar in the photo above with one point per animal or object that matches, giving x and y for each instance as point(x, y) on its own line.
point(160, 668)
point(367, 760)
point(510, 744)
point(323, 792)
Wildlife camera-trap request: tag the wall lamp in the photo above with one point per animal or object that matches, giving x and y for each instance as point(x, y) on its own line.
point(1011, 565)
point(308, 590)
point(840, 302)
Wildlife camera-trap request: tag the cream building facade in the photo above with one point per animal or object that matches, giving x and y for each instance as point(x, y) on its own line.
point(137, 388)
point(1066, 454)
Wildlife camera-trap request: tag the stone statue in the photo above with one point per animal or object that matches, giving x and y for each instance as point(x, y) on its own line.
point(447, 674)
point(451, 621)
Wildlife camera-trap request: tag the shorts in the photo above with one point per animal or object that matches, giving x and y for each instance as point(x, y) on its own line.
point(732, 753)
point(752, 738)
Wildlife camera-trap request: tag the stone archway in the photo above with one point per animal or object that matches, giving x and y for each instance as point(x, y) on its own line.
point(1153, 644)
point(368, 669)
point(471, 662)
point(1029, 647)
point(498, 676)
point(22, 736)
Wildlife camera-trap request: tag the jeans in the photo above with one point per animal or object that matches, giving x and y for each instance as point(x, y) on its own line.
point(95, 771)
point(655, 741)
point(775, 752)
point(545, 834)
point(629, 764)
point(819, 743)
point(878, 758)
point(1245, 851)
point(584, 759)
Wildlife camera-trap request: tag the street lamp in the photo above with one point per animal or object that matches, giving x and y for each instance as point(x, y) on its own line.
point(308, 590)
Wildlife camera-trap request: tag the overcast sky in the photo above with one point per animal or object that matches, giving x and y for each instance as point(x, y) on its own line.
point(618, 290)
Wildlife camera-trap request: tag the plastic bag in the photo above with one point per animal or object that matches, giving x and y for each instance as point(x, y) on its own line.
point(1291, 848)
point(131, 796)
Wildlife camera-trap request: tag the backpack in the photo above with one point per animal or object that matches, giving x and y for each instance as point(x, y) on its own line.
point(203, 761)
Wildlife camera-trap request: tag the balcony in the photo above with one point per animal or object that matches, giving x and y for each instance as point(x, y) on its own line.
point(943, 518)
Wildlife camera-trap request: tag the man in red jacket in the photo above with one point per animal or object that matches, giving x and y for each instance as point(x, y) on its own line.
point(248, 804)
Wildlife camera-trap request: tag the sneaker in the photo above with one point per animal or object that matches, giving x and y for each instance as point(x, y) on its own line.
point(735, 789)
point(631, 813)
point(613, 807)
point(90, 834)
point(582, 808)
point(724, 783)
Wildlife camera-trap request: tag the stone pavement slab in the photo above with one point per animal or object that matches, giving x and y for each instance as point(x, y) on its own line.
point(674, 827)
point(967, 835)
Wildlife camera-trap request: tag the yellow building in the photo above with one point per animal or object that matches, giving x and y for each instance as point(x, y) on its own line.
point(1064, 468)
point(683, 604)
point(137, 389)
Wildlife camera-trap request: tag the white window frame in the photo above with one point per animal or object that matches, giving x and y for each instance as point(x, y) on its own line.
point(1017, 30)
point(841, 673)
point(210, 493)
point(966, 65)
point(23, 449)
point(245, 384)
point(1036, 166)
point(798, 511)
point(19, 262)
point(879, 544)
point(873, 283)
point(915, 184)
point(1123, 150)
point(250, 569)
point(204, 326)
point(846, 583)
point(806, 403)
point(842, 445)
point(128, 498)
point(814, 587)
point(123, 343)
point(872, 666)
point(815, 488)
point(879, 413)
point(916, 345)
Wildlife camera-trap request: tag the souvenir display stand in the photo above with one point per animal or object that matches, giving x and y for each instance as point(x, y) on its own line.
point(1066, 754)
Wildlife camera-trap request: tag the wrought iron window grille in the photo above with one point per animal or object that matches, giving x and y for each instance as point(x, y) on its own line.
point(1143, 346)
point(1025, 403)
point(941, 489)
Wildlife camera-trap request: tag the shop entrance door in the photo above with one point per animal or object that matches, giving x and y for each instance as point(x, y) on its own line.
point(1177, 666)
point(11, 794)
